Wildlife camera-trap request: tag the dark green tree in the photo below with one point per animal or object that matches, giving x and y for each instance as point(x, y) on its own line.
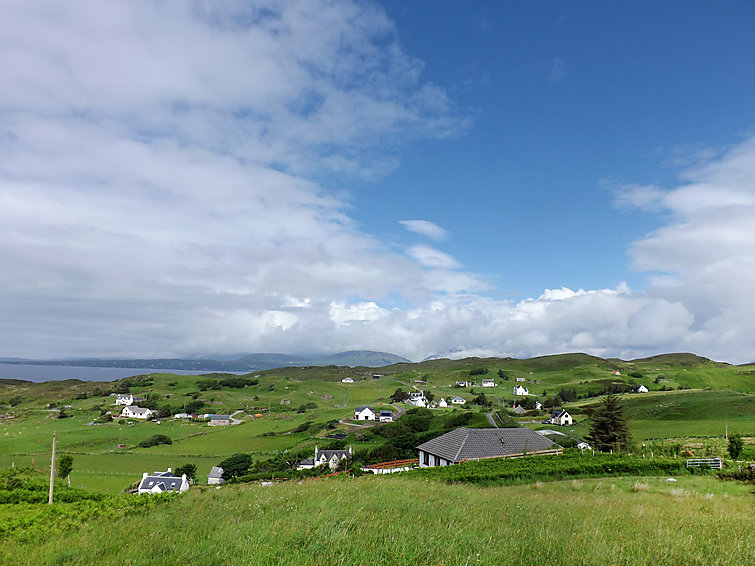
point(735, 446)
point(189, 469)
point(608, 429)
point(236, 465)
point(65, 465)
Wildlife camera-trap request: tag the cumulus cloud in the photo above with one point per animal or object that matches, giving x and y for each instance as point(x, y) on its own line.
point(425, 228)
point(164, 174)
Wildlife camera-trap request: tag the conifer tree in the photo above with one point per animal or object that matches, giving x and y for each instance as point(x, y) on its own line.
point(608, 430)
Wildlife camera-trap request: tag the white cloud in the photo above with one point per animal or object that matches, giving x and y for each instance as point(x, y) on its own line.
point(163, 191)
point(425, 228)
point(431, 257)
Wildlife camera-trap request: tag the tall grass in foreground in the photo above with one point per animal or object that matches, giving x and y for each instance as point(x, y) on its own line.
point(697, 520)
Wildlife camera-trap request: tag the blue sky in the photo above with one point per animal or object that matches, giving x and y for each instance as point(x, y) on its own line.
point(564, 100)
point(487, 178)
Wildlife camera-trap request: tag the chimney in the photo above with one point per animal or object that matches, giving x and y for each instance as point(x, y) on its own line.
point(170, 470)
point(144, 476)
point(315, 451)
point(350, 449)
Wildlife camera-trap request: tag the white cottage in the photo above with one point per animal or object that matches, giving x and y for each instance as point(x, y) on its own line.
point(520, 390)
point(364, 413)
point(160, 482)
point(442, 403)
point(134, 412)
point(347, 380)
point(642, 389)
point(215, 477)
point(323, 457)
point(561, 417)
point(126, 399)
point(488, 382)
point(458, 400)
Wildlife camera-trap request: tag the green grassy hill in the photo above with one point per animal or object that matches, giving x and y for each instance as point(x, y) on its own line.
point(402, 521)
point(107, 456)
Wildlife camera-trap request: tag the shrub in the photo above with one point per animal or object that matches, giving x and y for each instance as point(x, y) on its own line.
point(155, 440)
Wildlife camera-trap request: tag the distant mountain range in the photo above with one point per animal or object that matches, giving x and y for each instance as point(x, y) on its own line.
point(241, 362)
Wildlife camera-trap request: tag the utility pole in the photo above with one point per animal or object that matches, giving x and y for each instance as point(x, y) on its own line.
point(52, 469)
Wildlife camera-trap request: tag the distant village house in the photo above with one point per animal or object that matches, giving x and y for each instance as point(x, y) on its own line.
point(160, 482)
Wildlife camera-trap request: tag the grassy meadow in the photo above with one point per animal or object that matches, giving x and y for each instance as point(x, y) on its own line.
point(691, 400)
point(696, 520)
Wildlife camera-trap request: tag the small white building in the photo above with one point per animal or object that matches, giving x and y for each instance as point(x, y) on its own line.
point(220, 420)
point(160, 482)
point(520, 390)
point(126, 399)
point(215, 477)
point(134, 412)
point(386, 416)
point(458, 400)
point(538, 406)
point(364, 413)
point(465, 383)
point(488, 382)
point(442, 403)
point(417, 398)
point(642, 389)
point(561, 417)
point(520, 379)
point(347, 380)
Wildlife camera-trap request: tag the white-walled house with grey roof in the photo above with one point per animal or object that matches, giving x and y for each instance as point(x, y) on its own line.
point(464, 444)
point(160, 482)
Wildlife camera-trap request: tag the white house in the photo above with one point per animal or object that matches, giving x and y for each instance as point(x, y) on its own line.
point(642, 389)
point(134, 412)
point(538, 405)
point(417, 398)
point(220, 420)
point(520, 390)
point(126, 399)
point(464, 444)
point(442, 403)
point(215, 476)
point(323, 457)
point(458, 400)
point(364, 413)
point(488, 382)
point(465, 383)
point(561, 417)
point(519, 379)
point(347, 380)
point(160, 482)
point(386, 416)
point(582, 445)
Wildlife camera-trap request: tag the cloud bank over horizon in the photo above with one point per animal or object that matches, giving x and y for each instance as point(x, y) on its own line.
point(167, 187)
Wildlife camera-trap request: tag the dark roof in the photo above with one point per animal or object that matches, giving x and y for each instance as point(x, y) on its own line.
point(363, 407)
point(220, 417)
point(472, 443)
point(386, 413)
point(329, 454)
point(166, 480)
point(558, 413)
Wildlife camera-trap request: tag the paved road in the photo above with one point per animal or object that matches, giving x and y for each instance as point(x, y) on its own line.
point(236, 421)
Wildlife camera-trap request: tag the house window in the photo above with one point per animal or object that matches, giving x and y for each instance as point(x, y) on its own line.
point(425, 459)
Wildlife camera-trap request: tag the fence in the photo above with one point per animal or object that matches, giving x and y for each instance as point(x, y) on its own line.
point(715, 463)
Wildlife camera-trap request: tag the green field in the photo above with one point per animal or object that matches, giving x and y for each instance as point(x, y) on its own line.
point(697, 520)
point(107, 457)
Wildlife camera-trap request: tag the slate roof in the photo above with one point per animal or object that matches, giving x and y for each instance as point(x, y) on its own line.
point(165, 480)
point(558, 413)
point(137, 410)
point(386, 413)
point(362, 408)
point(215, 472)
point(329, 454)
point(220, 417)
point(472, 443)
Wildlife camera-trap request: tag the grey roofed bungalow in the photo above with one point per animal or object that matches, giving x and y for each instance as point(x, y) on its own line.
point(477, 443)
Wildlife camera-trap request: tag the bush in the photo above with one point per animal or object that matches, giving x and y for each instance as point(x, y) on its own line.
point(155, 440)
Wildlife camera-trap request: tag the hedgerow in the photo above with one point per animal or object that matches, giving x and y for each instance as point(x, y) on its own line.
point(572, 464)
